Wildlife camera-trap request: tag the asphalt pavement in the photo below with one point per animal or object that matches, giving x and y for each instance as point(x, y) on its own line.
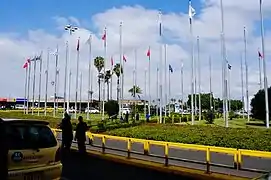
point(76, 167)
point(198, 156)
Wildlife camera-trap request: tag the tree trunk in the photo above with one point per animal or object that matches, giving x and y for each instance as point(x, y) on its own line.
point(118, 89)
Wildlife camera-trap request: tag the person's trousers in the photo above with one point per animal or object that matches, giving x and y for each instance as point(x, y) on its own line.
point(81, 147)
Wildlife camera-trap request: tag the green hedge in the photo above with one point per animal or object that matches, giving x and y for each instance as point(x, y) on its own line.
point(243, 138)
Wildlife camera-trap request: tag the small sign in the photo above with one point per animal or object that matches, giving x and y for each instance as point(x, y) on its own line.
point(17, 156)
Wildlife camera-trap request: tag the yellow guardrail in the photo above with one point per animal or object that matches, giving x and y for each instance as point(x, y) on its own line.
point(237, 154)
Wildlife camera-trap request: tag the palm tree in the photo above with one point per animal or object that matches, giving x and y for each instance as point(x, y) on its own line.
point(107, 78)
point(99, 64)
point(118, 71)
point(135, 90)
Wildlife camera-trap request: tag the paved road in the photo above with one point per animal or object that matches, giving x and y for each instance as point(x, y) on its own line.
point(78, 168)
point(248, 162)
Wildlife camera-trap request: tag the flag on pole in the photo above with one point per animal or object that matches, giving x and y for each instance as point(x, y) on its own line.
point(229, 66)
point(191, 12)
point(170, 68)
point(26, 63)
point(104, 36)
point(78, 46)
point(112, 61)
point(149, 53)
point(124, 58)
point(260, 54)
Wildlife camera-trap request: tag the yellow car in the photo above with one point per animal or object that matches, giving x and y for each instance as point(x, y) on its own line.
point(34, 152)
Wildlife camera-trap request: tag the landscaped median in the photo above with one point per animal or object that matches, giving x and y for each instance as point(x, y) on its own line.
point(96, 126)
point(240, 138)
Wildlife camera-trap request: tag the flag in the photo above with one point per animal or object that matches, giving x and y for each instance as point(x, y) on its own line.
point(191, 12)
point(25, 65)
point(104, 36)
point(124, 58)
point(229, 66)
point(112, 61)
point(77, 48)
point(170, 68)
point(260, 54)
point(149, 53)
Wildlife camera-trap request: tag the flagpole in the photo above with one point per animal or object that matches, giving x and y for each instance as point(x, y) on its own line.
point(192, 63)
point(25, 87)
point(57, 90)
point(65, 77)
point(246, 69)
point(199, 77)
point(28, 87)
point(69, 90)
point(165, 88)
point(46, 83)
point(121, 71)
point(89, 74)
point(149, 104)
point(264, 69)
point(80, 93)
point(34, 82)
point(39, 86)
point(210, 73)
point(223, 78)
point(225, 112)
point(182, 89)
point(56, 66)
point(157, 93)
point(160, 69)
point(169, 92)
point(104, 71)
point(135, 76)
point(77, 76)
point(145, 91)
point(229, 93)
point(260, 70)
point(242, 83)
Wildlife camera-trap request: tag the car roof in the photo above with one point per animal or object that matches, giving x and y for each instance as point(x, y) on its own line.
point(28, 121)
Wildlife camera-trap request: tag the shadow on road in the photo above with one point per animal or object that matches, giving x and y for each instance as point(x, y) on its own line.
point(76, 167)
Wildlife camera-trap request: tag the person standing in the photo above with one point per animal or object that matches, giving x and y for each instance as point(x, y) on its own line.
point(80, 135)
point(67, 132)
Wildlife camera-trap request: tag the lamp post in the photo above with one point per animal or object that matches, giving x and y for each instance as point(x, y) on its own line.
point(71, 29)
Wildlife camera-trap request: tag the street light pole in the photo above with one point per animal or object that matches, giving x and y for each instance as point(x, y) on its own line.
point(71, 29)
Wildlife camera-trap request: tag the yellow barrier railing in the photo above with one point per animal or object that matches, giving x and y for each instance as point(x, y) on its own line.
point(237, 154)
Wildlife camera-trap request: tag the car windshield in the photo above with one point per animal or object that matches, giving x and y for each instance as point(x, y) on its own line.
point(30, 137)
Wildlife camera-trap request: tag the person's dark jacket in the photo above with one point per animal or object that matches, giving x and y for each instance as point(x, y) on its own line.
point(80, 132)
point(67, 132)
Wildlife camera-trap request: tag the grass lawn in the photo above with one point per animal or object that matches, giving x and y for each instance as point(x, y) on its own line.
point(241, 138)
point(234, 123)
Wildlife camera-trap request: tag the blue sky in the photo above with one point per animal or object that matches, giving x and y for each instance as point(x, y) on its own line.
point(20, 16)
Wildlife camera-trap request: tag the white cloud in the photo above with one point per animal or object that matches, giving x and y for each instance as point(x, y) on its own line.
point(140, 30)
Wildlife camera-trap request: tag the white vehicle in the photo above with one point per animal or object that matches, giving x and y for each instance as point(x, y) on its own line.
point(125, 110)
point(20, 106)
point(92, 110)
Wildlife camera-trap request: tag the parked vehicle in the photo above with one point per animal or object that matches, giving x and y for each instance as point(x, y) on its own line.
point(33, 150)
point(92, 110)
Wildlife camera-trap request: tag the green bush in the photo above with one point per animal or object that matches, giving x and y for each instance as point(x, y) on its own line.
point(103, 127)
point(210, 117)
point(112, 108)
point(241, 138)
